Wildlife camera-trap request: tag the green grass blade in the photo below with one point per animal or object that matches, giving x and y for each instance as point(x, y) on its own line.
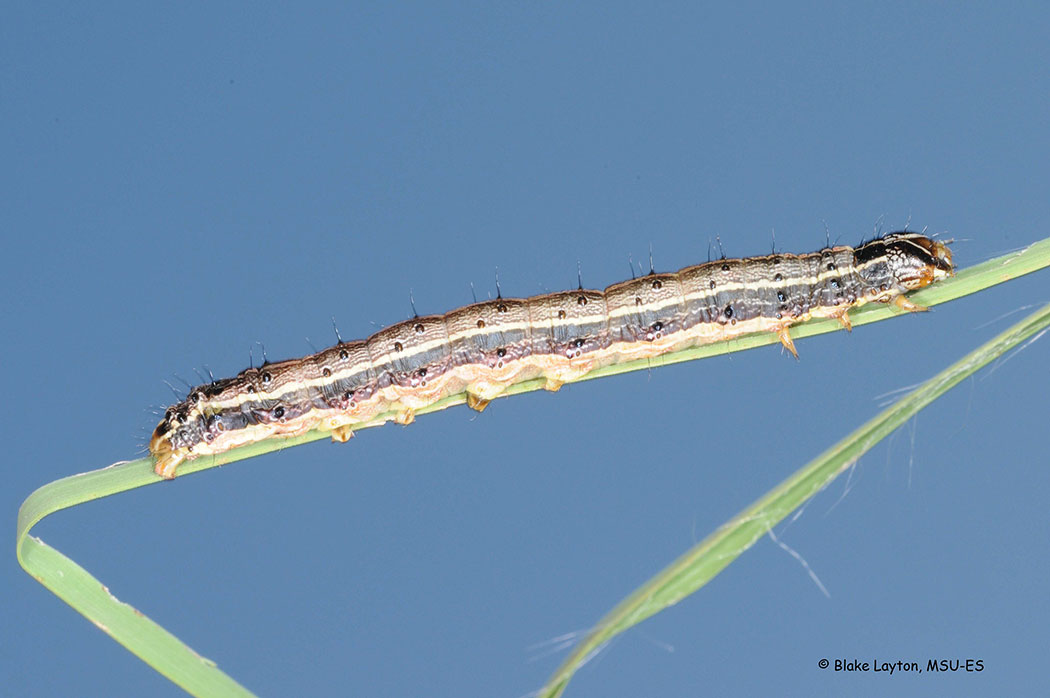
point(172, 658)
point(74, 585)
point(701, 563)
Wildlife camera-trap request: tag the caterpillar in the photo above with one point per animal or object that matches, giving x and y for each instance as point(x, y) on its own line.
point(483, 348)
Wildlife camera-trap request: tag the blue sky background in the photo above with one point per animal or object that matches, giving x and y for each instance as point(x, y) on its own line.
point(180, 184)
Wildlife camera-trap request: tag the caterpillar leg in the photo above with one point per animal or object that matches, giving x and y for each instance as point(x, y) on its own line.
point(558, 375)
point(844, 320)
point(904, 304)
point(480, 393)
point(785, 339)
point(405, 416)
point(342, 434)
point(475, 402)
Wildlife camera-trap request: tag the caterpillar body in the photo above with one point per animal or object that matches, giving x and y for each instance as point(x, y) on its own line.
point(483, 348)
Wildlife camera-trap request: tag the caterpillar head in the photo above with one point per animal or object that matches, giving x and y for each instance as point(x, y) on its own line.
point(908, 260)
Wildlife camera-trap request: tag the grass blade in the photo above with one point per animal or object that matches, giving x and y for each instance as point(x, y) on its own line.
point(702, 562)
point(74, 585)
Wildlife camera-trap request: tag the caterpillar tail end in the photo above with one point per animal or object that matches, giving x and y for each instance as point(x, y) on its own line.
point(167, 460)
